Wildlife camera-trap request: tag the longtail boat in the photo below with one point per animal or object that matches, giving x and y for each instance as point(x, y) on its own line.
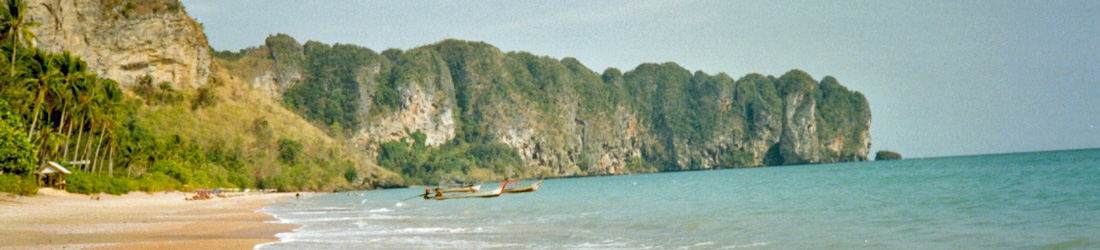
point(524, 189)
point(467, 188)
point(487, 194)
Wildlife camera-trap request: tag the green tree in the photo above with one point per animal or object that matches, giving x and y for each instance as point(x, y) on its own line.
point(288, 150)
point(44, 76)
point(17, 154)
point(16, 27)
point(351, 174)
point(74, 80)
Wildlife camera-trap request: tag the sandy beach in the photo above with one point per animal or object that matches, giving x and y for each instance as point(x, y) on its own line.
point(56, 219)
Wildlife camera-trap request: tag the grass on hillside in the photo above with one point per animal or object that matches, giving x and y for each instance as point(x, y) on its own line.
point(240, 119)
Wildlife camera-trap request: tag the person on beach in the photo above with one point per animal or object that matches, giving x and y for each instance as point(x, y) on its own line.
point(297, 195)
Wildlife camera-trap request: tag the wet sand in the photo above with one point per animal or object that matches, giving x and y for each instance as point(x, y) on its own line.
point(59, 220)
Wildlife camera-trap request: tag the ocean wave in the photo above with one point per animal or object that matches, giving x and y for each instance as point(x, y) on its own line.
point(361, 224)
point(323, 212)
point(380, 210)
point(421, 230)
point(606, 244)
point(754, 244)
point(346, 218)
point(418, 242)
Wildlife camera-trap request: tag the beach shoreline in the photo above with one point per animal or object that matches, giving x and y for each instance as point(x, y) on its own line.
point(55, 219)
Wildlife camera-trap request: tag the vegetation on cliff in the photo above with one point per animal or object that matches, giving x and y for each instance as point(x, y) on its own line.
point(421, 164)
point(887, 155)
point(685, 120)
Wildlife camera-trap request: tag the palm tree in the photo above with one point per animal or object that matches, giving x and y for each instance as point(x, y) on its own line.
point(57, 94)
point(96, 112)
point(83, 110)
point(112, 96)
point(73, 77)
point(102, 135)
point(16, 28)
point(106, 136)
point(43, 75)
point(59, 99)
point(20, 94)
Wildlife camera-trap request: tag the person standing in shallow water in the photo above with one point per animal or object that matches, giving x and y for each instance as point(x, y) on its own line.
point(297, 195)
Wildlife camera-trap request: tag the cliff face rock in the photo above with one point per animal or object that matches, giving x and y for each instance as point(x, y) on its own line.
point(286, 57)
point(427, 102)
point(611, 140)
point(798, 143)
point(271, 68)
point(124, 42)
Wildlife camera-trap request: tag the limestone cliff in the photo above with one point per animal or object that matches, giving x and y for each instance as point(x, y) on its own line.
point(427, 101)
point(282, 57)
point(563, 119)
point(125, 41)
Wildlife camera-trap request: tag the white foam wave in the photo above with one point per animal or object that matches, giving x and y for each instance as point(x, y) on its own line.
point(311, 212)
point(417, 242)
point(323, 212)
point(754, 244)
point(427, 230)
point(400, 204)
point(334, 219)
point(380, 210)
point(600, 245)
point(699, 245)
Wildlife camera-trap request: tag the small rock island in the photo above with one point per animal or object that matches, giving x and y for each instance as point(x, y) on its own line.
point(887, 155)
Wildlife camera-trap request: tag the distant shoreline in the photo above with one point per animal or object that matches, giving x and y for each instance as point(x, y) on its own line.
point(57, 219)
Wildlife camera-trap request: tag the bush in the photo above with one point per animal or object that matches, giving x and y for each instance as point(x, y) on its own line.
point(637, 165)
point(21, 185)
point(89, 184)
point(17, 155)
point(173, 169)
point(162, 93)
point(351, 175)
point(204, 98)
point(155, 182)
point(736, 159)
point(288, 150)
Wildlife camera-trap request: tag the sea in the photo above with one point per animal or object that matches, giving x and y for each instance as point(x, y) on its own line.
point(1041, 200)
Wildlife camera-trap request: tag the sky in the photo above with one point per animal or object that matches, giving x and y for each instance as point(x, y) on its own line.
point(943, 78)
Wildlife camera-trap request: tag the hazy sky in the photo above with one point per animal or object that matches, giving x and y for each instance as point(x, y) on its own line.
point(943, 78)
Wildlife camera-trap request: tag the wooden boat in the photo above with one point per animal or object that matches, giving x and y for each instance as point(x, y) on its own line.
point(487, 194)
point(524, 189)
point(468, 188)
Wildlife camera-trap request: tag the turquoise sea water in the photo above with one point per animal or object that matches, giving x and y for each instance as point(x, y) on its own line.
point(1045, 200)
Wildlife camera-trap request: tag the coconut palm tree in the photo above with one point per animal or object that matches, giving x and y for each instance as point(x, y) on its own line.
point(112, 97)
point(83, 111)
point(97, 109)
point(73, 77)
point(16, 28)
point(43, 75)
